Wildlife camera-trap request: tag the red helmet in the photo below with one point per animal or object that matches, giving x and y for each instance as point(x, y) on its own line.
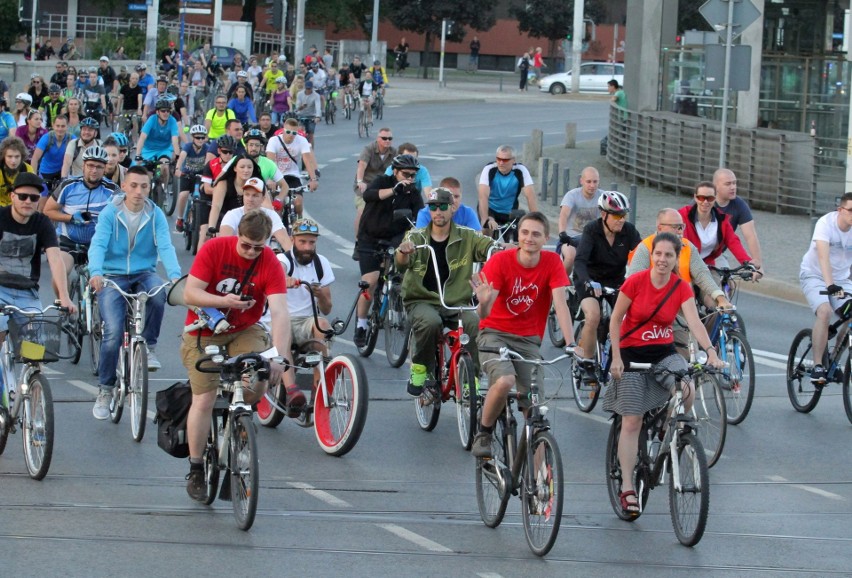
point(171, 43)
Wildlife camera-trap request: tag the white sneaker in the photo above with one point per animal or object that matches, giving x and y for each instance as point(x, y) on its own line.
point(153, 363)
point(101, 409)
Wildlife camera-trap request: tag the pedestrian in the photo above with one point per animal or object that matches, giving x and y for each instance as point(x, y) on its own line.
point(473, 63)
point(524, 68)
point(538, 63)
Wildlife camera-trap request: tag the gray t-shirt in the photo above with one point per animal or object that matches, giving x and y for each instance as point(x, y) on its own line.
point(133, 222)
point(583, 210)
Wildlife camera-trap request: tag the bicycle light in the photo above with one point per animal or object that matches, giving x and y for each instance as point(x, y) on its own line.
point(464, 338)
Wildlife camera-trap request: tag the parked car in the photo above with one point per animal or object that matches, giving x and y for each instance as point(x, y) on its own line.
point(225, 55)
point(593, 78)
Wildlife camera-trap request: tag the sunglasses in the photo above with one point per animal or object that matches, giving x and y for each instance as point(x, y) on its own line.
point(676, 227)
point(617, 217)
point(307, 227)
point(408, 174)
point(439, 207)
point(293, 132)
point(386, 137)
point(500, 160)
point(252, 247)
point(705, 198)
point(224, 152)
point(199, 137)
point(122, 151)
point(33, 198)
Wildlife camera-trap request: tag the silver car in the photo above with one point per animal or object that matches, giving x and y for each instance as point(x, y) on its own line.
point(593, 78)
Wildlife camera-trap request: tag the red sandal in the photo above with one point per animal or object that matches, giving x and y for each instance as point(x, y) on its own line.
point(630, 508)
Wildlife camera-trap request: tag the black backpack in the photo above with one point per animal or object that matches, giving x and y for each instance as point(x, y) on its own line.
point(172, 411)
point(291, 258)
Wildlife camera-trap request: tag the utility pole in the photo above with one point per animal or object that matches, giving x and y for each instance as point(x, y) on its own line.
point(577, 48)
point(299, 48)
point(151, 33)
point(374, 40)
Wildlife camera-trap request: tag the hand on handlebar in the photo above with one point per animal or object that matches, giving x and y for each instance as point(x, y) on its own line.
point(406, 248)
point(593, 288)
point(835, 291)
point(97, 283)
point(68, 304)
point(713, 359)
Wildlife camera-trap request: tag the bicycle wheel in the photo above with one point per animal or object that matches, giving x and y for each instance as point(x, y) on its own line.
point(96, 336)
point(553, 330)
point(689, 503)
point(116, 405)
point(542, 505)
point(170, 196)
point(803, 394)
point(739, 385)
point(157, 194)
point(211, 463)
point(5, 424)
point(467, 400)
point(332, 111)
point(373, 322)
point(267, 414)
point(428, 410)
point(244, 471)
point(362, 124)
point(494, 479)
point(614, 477)
point(37, 425)
point(847, 395)
point(380, 108)
point(339, 419)
point(74, 325)
point(196, 224)
point(188, 225)
point(710, 415)
point(586, 390)
point(137, 391)
point(397, 331)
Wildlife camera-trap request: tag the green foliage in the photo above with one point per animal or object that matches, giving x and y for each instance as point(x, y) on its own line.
point(106, 43)
point(425, 16)
point(342, 14)
point(551, 19)
point(10, 26)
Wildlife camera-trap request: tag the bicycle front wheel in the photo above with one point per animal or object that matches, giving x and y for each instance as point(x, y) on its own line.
point(244, 471)
point(37, 425)
point(119, 392)
point(553, 329)
point(847, 395)
point(494, 478)
point(96, 335)
point(689, 490)
point(170, 193)
point(397, 331)
point(467, 400)
point(362, 124)
point(372, 328)
point(211, 464)
point(138, 391)
point(803, 394)
point(541, 495)
point(74, 330)
point(586, 390)
point(738, 381)
point(710, 415)
point(339, 419)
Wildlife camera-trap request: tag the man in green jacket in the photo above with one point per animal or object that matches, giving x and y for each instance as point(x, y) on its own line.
point(456, 250)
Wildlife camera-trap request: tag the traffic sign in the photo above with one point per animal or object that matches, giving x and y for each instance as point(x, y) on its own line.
point(139, 7)
point(714, 67)
point(715, 12)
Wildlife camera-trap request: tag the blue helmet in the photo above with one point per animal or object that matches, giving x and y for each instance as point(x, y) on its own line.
point(120, 139)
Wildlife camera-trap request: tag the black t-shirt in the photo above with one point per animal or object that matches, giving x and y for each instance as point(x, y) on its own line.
point(377, 221)
point(131, 97)
point(357, 70)
point(21, 245)
point(429, 281)
point(108, 74)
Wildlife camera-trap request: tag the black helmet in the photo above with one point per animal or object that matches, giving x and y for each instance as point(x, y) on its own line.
point(406, 162)
point(173, 90)
point(255, 134)
point(163, 104)
point(54, 88)
point(227, 142)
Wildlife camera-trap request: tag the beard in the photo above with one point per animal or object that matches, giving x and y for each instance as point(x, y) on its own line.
point(303, 257)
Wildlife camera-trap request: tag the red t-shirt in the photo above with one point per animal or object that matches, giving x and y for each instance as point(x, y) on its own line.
point(218, 264)
point(525, 294)
point(644, 299)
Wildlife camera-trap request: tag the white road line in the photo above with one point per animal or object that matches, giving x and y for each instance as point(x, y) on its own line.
point(415, 539)
point(769, 362)
point(337, 160)
point(449, 141)
point(94, 391)
point(321, 495)
point(49, 370)
point(489, 575)
point(578, 413)
point(810, 489)
point(769, 354)
point(328, 234)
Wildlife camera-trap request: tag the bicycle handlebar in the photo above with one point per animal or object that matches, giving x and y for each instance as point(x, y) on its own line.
point(252, 361)
point(7, 309)
point(745, 271)
point(507, 354)
point(150, 293)
point(434, 260)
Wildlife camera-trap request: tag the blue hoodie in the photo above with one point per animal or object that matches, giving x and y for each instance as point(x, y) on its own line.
point(109, 252)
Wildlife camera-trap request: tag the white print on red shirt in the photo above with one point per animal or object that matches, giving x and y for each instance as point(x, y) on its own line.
point(657, 332)
point(522, 297)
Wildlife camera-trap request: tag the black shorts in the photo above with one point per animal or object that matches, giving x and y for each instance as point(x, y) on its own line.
point(293, 182)
point(370, 256)
point(187, 182)
point(572, 242)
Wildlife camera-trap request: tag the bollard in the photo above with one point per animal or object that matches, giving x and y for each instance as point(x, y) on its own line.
point(631, 198)
point(543, 173)
point(536, 146)
point(571, 135)
point(566, 183)
point(554, 179)
point(501, 84)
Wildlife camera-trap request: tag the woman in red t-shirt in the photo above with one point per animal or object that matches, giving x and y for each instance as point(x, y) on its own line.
point(642, 332)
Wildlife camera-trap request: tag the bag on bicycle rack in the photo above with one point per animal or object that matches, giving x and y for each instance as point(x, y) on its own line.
point(172, 411)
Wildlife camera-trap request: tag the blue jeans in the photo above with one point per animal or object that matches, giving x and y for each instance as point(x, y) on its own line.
point(113, 309)
point(22, 298)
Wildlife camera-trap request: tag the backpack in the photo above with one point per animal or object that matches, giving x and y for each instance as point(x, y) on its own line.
point(172, 411)
point(291, 259)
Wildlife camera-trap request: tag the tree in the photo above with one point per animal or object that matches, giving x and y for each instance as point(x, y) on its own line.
point(552, 19)
point(10, 26)
point(426, 16)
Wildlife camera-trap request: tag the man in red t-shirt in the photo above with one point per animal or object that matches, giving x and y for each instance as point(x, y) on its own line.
point(237, 275)
point(515, 291)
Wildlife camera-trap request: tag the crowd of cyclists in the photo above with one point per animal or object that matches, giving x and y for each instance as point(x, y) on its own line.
point(79, 151)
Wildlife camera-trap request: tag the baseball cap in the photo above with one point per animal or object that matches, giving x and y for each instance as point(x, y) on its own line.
point(104, 59)
point(28, 180)
point(309, 84)
point(256, 184)
point(439, 196)
point(305, 227)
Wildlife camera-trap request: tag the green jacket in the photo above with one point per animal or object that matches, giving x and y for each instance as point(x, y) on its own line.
point(465, 247)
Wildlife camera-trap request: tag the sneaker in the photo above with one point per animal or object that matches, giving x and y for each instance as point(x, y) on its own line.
point(196, 486)
point(360, 337)
point(481, 445)
point(153, 363)
point(818, 375)
point(295, 400)
point(101, 409)
point(416, 379)
point(179, 226)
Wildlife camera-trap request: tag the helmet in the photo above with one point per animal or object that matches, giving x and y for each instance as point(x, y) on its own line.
point(403, 162)
point(120, 139)
point(242, 74)
point(254, 134)
point(172, 90)
point(23, 96)
point(163, 104)
point(377, 63)
point(163, 78)
point(95, 153)
point(280, 79)
point(141, 66)
point(89, 122)
point(198, 129)
point(93, 69)
point(54, 88)
point(613, 202)
point(227, 142)
point(171, 43)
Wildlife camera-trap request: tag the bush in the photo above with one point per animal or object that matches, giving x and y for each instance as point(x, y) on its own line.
point(106, 43)
point(10, 27)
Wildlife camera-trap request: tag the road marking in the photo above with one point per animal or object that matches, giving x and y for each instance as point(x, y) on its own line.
point(769, 362)
point(770, 354)
point(577, 412)
point(321, 495)
point(94, 391)
point(810, 489)
point(449, 141)
point(415, 539)
point(489, 575)
point(49, 370)
point(337, 160)
point(345, 243)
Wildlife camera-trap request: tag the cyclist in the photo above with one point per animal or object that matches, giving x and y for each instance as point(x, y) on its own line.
point(158, 139)
point(366, 91)
point(72, 165)
point(114, 170)
point(255, 143)
point(190, 163)
point(309, 109)
point(123, 147)
point(373, 161)
point(242, 81)
point(107, 74)
point(641, 331)
point(825, 267)
point(738, 211)
point(382, 223)
point(452, 244)
point(146, 79)
point(12, 155)
point(154, 93)
point(379, 76)
point(265, 124)
point(279, 100)
point(52, 106)
point(132, 234)
point(49, 154)
point(240, 276)
point(515, 290)
point(357, 68)
point(226, 190)
point(270, 77)
point(233, 129)
point(579, 207)
point(255, 197)
point(423, 180)
point(500, 185)
point(288, 150)
point(217, 116)
point(94, 92)
point(242, 106)
point(8, 124)
point(462, 214)
point(209, 174)
point(602, 258)
point(130, 101)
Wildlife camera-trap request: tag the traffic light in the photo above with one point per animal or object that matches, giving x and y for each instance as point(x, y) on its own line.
point(450, 24)
point(569, 36)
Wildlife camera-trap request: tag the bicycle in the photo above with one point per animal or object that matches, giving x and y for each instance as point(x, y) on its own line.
point(87, 321)
point(668, 452)
point(804, 394)
point(232, 442)
point(132, 369)
point(354, 102)
point(26, 401)
point(365, 120)
point(288, 209)
point(339, 390)
point(330, 108)
point(507, 232)
point(348, 103)
point(709, 409)
point(728, 283)
point(529, 467)
point(379, 105)
point(554, 332)
point(457, 378)
point(587, 380)
point(163, 194)
point(190, 217)
point(387, 311)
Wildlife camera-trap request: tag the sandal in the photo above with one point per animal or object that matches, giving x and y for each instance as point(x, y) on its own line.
point(630, 508)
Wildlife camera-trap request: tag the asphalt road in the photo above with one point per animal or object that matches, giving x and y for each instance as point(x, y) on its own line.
point(403, 503)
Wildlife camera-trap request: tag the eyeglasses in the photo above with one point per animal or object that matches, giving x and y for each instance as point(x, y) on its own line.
point(500, 160)
point(386, 138)
point(675, 226)
point(36, 82)
point(252, 247)
point(122, 151)
point(225, 152)
point(33, 198)
point(307, 228)
point(705, 198)
point(408, 174)
point(293, 132)
point(199, 137)
point(617, 216)
point(439, 207)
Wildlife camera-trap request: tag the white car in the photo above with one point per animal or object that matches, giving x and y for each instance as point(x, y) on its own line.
point(593, 78)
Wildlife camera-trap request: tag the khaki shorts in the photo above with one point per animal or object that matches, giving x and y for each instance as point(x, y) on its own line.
point(302, 330)
point(359, 199)
point(528, 347)
point(251, 339)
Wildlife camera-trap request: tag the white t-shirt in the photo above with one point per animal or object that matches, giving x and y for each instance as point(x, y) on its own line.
point(233, 217)
point(583, 210)
point(297, 148)
point(839, 249)
point(298, 298)
point(708, 236)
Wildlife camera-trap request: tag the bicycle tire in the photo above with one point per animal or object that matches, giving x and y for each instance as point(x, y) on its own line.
point(396, 327)
point(210, 458)
point(847, 395)
point(171, 195)
point(427, 410)
point(373, 322)
point(614, 475)
point(690, 505)
point(4, 430)
point(119, 392)
point(196, 229)
point(710, 416)
point(494, 478)
point(467, 400)
point(586, 392)
point(553, 330)
point(137, 391)
point(803, 394)
point(542, 506)
point(362, 125)
point(245, 476)
point(188, 225)
point(267, 414)
point(339, 421)
point(380, 108)
point(96, 336)
point(37, 426)
point(333, 112)
point(74, 333)
point(739, 387)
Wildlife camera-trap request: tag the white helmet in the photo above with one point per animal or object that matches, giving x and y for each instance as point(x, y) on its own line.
point(613, 202)
point(24, 97)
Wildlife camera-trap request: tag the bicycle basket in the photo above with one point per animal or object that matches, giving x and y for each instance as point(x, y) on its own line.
point(36, 340)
